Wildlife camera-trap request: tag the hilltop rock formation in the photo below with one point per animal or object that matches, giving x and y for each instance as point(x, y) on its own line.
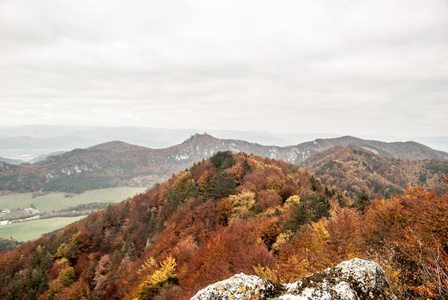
point(353, 279)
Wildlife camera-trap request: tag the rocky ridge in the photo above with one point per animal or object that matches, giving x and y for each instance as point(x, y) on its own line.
point(353, 279)
point(120, 164)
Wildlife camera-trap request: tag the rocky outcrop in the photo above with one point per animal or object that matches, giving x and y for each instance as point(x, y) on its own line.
point(353, 279)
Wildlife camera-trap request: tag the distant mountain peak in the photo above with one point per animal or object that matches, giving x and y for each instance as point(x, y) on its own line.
point(198, 136)
point(113, 146)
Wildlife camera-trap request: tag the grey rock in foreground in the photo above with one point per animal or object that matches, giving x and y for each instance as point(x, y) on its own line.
point(353, 279)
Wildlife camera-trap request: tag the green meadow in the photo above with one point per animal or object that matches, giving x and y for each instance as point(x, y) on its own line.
point(30, 230)
point(54, 202)
point(58, 201)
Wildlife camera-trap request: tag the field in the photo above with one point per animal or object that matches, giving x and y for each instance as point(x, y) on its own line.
point(54, 202)
point(58, 201)
point(33, 229)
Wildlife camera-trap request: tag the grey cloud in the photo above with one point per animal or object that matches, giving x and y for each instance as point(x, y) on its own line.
point(308, 65)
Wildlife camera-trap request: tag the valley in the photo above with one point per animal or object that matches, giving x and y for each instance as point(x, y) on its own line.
point(53, 210)
point(57, 201)
point(31, 230)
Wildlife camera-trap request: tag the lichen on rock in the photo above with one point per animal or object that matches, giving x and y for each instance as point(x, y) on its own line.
point(354, 279)
point(240, 286)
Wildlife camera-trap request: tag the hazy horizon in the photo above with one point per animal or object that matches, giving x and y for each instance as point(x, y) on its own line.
point(355, 68)
point(28, 142)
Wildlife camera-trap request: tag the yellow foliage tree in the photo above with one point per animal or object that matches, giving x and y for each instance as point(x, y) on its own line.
point(243, 202)
point(69, 250)
point(282, 238)
point(202, 182)
point(157, 280)
point(181, 182)
point(320, 235)
point(295, 199)
point(148, 266)
point(66, 278)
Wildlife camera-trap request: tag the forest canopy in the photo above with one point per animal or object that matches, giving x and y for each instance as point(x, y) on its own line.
point(229, 214)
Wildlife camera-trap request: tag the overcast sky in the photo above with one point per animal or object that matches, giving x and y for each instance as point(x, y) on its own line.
point(344, 67)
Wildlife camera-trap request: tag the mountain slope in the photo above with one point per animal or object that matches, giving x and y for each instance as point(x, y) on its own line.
point(402, 150)
point(354, 170)
point(226, 215)
point(43, 157)
point(299, 153)
point(118, 163)
point(11, 161)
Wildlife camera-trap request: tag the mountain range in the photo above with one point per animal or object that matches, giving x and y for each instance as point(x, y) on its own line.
point(120, 164)
point(28, 142)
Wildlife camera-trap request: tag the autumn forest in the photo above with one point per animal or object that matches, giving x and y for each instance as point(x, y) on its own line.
point(235, 213)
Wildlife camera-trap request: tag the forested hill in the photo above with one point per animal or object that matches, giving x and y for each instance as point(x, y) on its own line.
point(233, 213)
point(401, 150)
point(121, 164)
point(354, 170)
